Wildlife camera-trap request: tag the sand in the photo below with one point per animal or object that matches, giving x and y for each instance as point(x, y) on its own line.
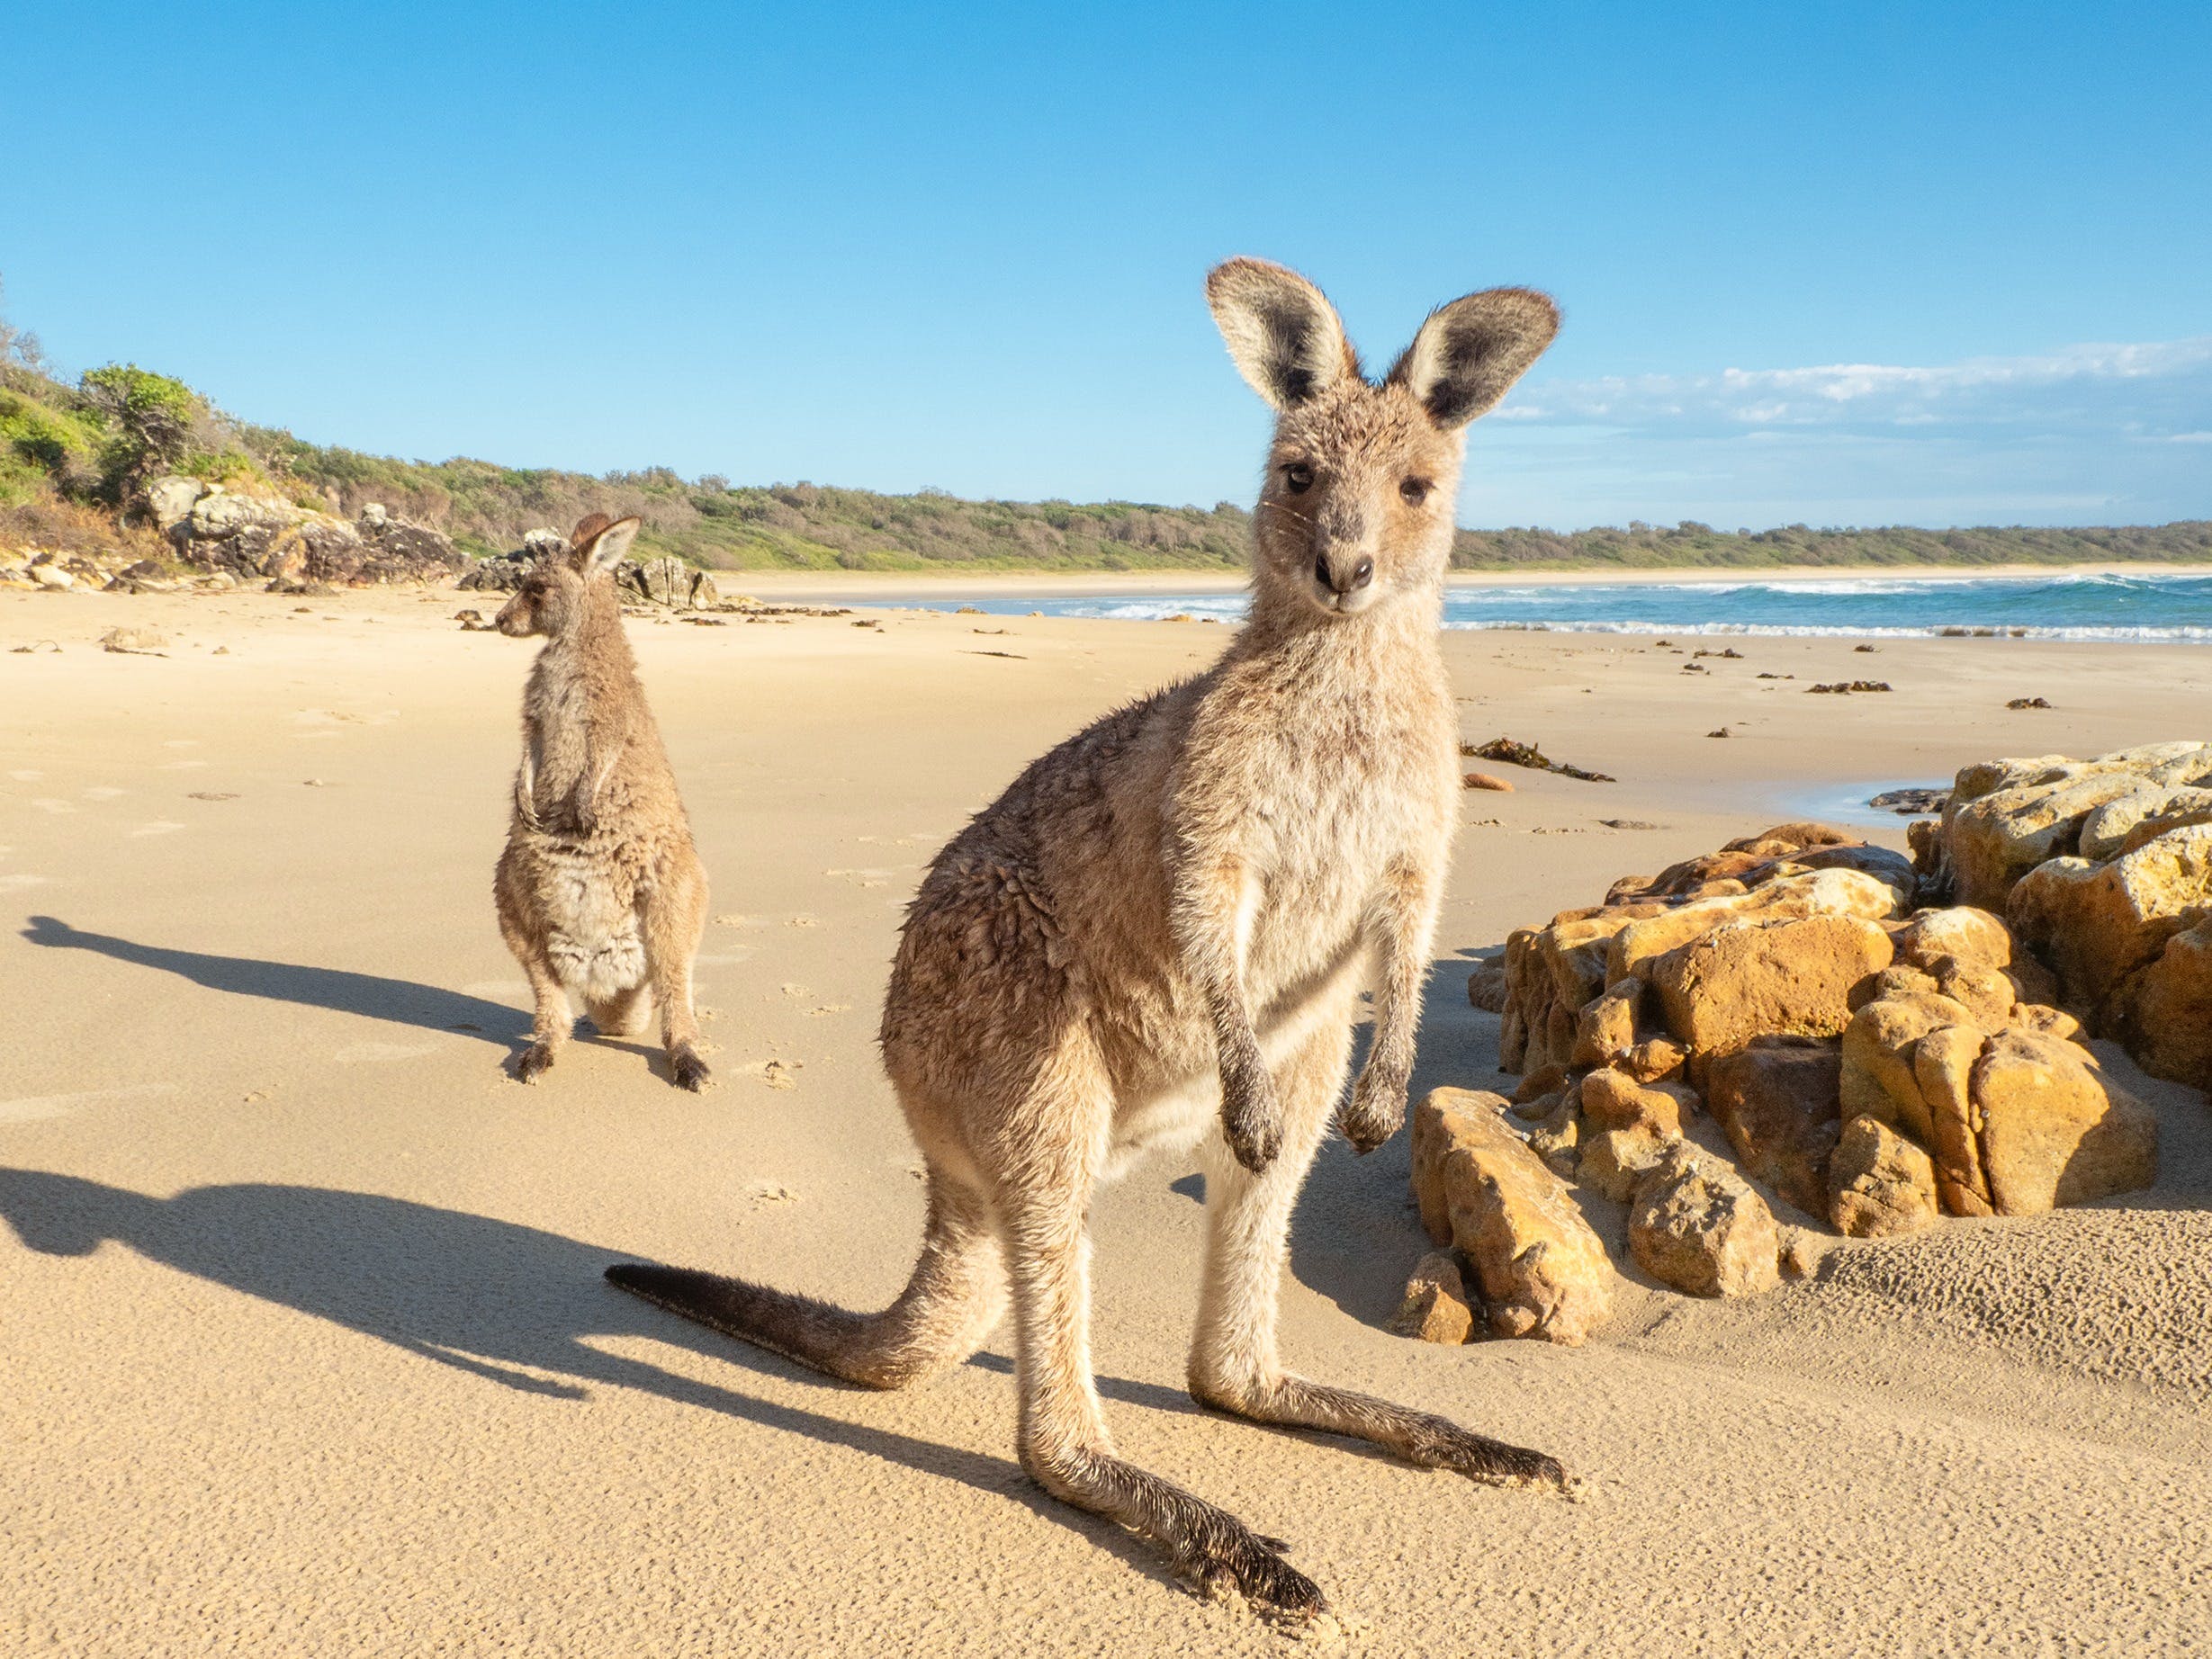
point(306, 1350)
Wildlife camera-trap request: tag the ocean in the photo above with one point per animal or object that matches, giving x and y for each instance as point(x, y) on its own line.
point(2163, 609)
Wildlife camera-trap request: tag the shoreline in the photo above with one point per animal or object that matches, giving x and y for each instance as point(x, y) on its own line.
point(939, 585)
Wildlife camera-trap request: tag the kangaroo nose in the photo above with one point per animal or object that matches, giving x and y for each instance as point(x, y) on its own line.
point(1340, 579)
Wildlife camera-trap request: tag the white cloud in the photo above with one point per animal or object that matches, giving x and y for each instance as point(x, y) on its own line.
point(2158, 386)
point(2110, 433)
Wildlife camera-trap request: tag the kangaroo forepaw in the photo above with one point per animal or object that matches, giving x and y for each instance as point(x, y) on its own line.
point(1443, 1445)
point(1253, 1130)
point(533, 1060)
point(687, 1070)
point(1375, 1112)
point(1253, 1566)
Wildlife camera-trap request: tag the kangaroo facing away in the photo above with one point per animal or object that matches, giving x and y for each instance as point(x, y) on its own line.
point(1159, 935)
point(599, 892)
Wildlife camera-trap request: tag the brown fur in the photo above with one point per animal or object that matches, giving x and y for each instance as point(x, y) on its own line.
point(599, 892)
point(1158, 934)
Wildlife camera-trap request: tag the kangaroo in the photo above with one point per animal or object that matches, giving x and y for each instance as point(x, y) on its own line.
point(600, 891)
point(1159, 935)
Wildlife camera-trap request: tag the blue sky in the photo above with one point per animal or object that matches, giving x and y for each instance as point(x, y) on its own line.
point(1838, 263)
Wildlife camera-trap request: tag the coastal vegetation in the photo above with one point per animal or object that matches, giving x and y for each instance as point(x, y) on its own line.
point(76, 456)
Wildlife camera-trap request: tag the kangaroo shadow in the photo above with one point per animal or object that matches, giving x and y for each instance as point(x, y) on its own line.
point(373, 996)
point(1358, 1234)
point(511, 1305)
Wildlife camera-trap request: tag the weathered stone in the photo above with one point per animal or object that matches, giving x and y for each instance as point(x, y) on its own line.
point(2124, 823)
point(1435, 1307)
point(2166, 1016)
point(1999, 838)
point(1943, 1066)
point(1542, 1271)
point(1777, 1099)
point(1541, 1081)
point(1653, 1060)
point(1987, 993)
point(1612, 1099)
point(1961, 932)
point(1785, 978)
point(1485, 986)
point(2052, 1131)
point(1817, 893)
point(1615, 1161)
point(670, 582)
point(170, 500)
point(2100, 923)
point(1880, 1184)
point(1703, 1230)
point(1877, 1079)
point(1606, 1026)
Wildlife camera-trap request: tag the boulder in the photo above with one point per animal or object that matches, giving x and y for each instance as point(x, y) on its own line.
point(2123, 824)
point(669, 582)
point(1653, 1060)
point(2166, 1015)
point(1614, 1162)
point(1486, 985)
point(1606, 1026)
point(1877, 1079)
point(1542, 1271)
point(1778, 1100)
point(1880, 1184)
point(170, 500)
point(1961, 932)
point(1998, 837)
point(1791, 978)
point(1943, 1069)
point(1701, 1229)
point(2097, 924)
point(1435, 1307)
point(2052, 1131)
point(1613, 1099)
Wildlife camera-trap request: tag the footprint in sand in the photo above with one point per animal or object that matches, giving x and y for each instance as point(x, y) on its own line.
point(734, 920)
point(775, 1074)
point(802, 921)
point(865, 878)
point(160, 826)
point(829, 1008)
point(797, 990)
point(770, 1192)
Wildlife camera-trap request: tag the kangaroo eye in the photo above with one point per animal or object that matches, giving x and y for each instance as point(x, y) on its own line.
point(1298, 476)
point(1415, 490)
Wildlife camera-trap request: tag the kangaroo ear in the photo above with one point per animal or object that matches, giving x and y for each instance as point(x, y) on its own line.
point(1282, 335)
point(595, 545)
point(1468, 354)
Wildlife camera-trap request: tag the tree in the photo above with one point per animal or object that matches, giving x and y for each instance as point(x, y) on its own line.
point(150, 420)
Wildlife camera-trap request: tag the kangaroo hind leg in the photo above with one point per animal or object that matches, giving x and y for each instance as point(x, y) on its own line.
point(1063, 1443)
point(675, 920)
point(951, 1301)
point(1234, 1367)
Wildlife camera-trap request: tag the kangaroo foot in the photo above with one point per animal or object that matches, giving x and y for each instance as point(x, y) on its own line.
point(1438, 1444)
point(687, 1068)
point(533, 1060)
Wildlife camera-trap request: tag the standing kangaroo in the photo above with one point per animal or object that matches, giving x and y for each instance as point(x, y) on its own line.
point(1164, 925)
point(600, 891)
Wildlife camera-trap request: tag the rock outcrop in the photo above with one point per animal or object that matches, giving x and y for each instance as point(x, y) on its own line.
point(2103, 867)
point(1541, 1269)
point(246, 536)
point(668, 583)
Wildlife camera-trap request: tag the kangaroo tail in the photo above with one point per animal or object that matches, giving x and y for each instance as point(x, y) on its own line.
point(948, 1308)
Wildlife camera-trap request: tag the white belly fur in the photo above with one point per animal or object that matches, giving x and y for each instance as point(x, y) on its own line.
point(591, 936)
point(1176, 1118)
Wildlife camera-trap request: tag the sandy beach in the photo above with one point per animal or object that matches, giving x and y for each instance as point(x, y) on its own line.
point(306, 1347)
